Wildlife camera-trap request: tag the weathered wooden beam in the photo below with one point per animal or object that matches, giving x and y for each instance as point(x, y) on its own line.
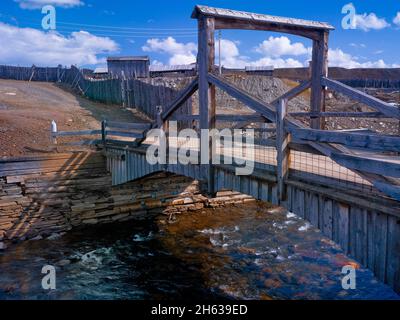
point(223, 118)
point(229, 23)
point(359, 140)
point(128, 126)
point(293, 93)
point(136, 135)
point(319, 69)
point(254, 103)
point(76, 133)
point(207, 103)
point(383, 107)
point(183, 96)
point(283, 151)
point(366, 164)
point(339, 115)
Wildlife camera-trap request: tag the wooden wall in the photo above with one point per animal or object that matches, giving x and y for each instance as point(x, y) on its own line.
point(129, 68)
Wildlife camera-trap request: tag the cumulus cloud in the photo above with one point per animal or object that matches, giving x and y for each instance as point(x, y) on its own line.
point(38, 4)
point(338, 58)
point(285, 55)
point(281, 46)
point(180, 53)
point(396, 19)
point(370, 21)
point(27, 46)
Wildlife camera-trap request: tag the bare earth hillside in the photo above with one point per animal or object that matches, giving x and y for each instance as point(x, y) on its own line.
point(27, 108)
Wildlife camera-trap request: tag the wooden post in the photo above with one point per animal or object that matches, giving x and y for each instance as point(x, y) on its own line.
point(123, 92)
point(164, 125)
point(207, 102)
point(103, 132)
point(53, 132)
point(283, 151)
point(319, 69)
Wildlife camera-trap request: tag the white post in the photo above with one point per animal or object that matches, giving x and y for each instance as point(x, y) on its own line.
point(54, 132)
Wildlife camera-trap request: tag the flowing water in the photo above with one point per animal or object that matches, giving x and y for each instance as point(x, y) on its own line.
point(249, 251)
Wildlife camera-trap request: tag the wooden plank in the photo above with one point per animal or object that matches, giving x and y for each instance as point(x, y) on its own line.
point(264, 192)
point(352, 139)
point(343, 226)
point(313, 209)
point(379, 229)
point(383, 107)
point(76, 133)
point(299, 207)
point(372, 165)
point(136, 135)
point(393, 253)
point(361, 237)
point(224, 118)
point(293, 93)
point(128, 126)
point(240, 16)
point(183, 96)
point(327, 218)
point(339, 114)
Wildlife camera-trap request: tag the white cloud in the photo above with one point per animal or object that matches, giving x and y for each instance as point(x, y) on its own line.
point(281, 46)
point(338, 58)
point(180, 53)
point(396, 19)
point(271, 50)
point(38, 4)
point(27, 46)
point(370, 21)
point(358, 45)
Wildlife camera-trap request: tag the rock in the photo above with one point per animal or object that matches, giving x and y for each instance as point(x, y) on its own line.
point(54, 236)
point(37, 238)
point(2, 246)
point(64, 262)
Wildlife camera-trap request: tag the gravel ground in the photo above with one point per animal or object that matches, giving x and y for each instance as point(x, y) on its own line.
point(27, 109)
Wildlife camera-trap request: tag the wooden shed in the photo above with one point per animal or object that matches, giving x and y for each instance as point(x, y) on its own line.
point(129, 67)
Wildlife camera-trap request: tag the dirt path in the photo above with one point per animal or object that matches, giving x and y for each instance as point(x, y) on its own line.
point(26, 111)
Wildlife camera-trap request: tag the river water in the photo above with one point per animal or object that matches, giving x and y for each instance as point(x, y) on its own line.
point(249, 251)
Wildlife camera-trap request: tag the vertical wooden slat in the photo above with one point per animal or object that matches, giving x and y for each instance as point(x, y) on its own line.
point(393, 253)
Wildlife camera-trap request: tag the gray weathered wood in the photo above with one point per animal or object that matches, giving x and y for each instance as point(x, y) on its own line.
point(383, 107)
point(319, 69)
point(352, 139)
point(283, 151)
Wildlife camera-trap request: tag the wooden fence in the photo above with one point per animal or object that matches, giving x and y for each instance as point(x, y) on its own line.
point(31, 73)
point(144, 95)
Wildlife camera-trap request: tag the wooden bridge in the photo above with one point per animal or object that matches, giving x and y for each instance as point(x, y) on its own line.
point(345, 182)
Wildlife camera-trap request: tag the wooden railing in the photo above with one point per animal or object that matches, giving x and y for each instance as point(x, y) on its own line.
point(362, 151)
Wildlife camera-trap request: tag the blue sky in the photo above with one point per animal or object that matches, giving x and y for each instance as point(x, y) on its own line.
point(88, 31)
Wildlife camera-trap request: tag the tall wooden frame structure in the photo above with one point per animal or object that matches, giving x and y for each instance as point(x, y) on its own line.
point(211, 19)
